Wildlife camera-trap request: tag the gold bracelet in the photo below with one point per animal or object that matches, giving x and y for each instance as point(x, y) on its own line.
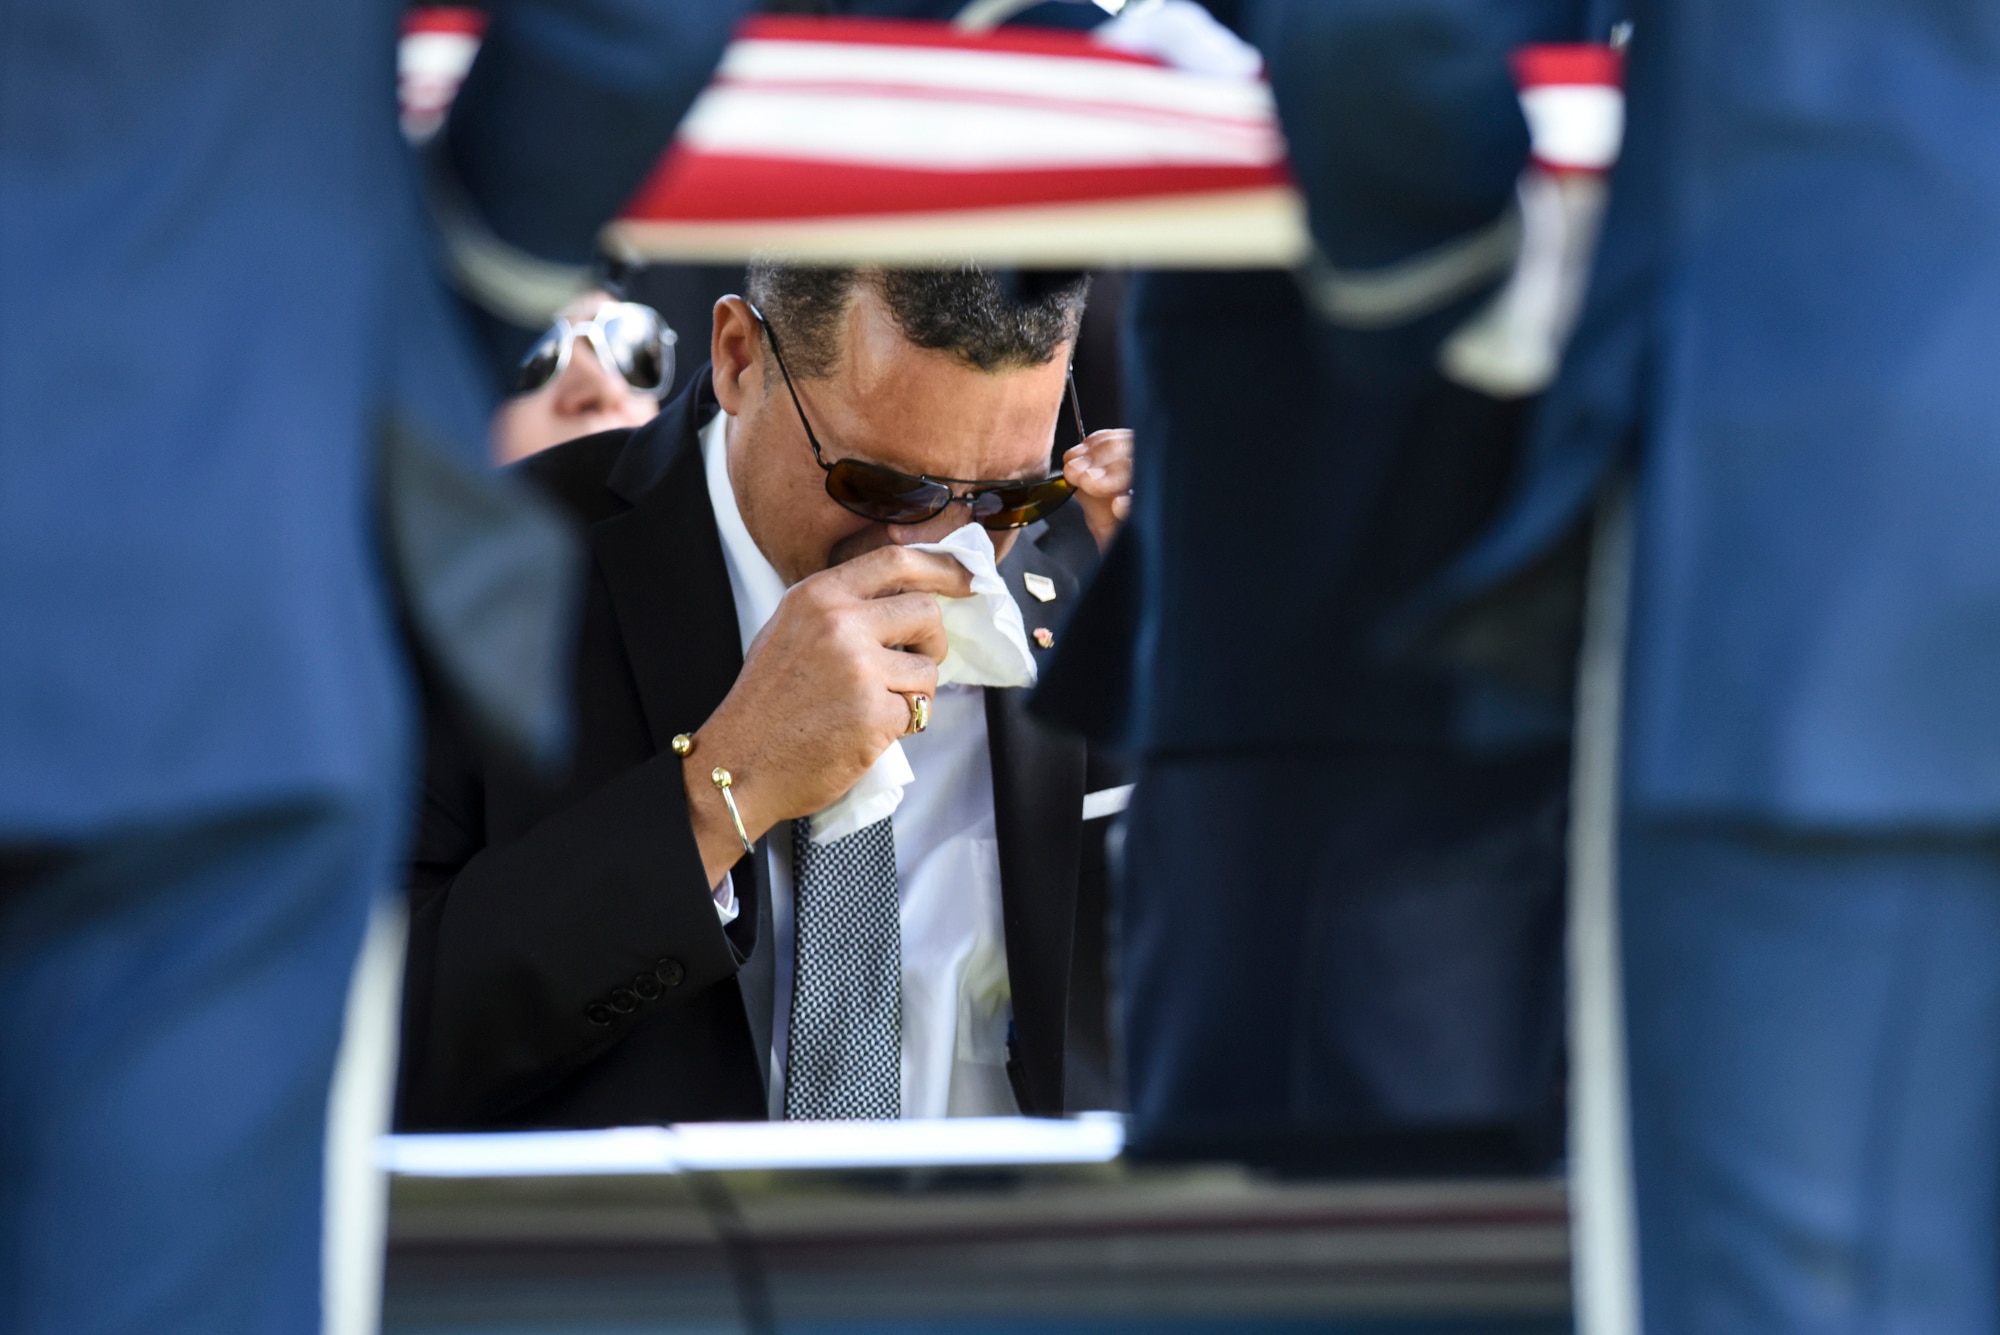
point(720, 778)
point(683, 745)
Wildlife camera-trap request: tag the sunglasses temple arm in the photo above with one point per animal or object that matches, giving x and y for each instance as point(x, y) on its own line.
point(1075, 407)
point(790, 389)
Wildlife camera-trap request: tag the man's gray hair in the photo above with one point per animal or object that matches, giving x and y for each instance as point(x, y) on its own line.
point(965, 312)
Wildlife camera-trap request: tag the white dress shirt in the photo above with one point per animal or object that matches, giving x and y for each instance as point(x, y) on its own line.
point(957, 1003)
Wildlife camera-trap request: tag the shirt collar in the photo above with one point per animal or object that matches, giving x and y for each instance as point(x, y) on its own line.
point(753, 581)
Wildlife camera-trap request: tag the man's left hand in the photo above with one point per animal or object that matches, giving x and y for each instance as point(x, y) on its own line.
point(1100, 468)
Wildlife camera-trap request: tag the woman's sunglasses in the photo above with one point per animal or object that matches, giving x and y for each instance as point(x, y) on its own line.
point(623, 334)
point(891, 497)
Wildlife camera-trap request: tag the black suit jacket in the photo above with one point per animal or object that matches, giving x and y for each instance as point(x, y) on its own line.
point(566, 963)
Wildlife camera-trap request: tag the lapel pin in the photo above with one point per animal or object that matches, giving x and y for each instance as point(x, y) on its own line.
point(1045, 637)
point(1041, 586)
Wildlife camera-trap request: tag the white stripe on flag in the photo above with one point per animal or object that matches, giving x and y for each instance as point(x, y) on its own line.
point(939, 134)
point(1575, 125)
point(952, 70)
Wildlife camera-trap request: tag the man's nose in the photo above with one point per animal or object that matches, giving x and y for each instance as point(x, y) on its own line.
point(587, 385)
point(934, 529)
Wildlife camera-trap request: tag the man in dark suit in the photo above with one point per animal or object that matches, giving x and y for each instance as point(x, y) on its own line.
point(644, 944)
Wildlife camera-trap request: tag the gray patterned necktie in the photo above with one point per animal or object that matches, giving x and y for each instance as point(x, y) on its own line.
point(845, 1055)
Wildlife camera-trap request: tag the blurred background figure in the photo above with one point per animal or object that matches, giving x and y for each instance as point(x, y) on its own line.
point(205, 749)
point(1342, 903)
point(602, 365)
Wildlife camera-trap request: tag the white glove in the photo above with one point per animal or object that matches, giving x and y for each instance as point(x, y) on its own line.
point(1182, 34)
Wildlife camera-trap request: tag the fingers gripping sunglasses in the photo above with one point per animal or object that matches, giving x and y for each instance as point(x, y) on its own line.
point(892, 497)
point(623, 334)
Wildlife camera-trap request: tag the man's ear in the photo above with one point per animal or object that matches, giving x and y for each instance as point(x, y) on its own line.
point(736, 347)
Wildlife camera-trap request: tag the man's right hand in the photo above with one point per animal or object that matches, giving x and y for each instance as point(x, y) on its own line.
point(823, 692)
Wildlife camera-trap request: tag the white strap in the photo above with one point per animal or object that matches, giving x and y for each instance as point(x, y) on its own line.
point(986, 15)
point(1393, 294)
point(507, 281)
point(355, 1191)
point(1604, 1269)
point(1106, 802)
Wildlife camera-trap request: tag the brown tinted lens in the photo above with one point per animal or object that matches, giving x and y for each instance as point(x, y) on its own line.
point(1018, 507)
point(883, 494)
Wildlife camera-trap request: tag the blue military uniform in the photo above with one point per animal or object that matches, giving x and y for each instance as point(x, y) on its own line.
point(229, 367)
point(1790, 342)
point(1342, 907)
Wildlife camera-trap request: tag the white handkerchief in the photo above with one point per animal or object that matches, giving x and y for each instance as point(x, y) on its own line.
point(874, 796)
point(984, 642)
point(985, 645)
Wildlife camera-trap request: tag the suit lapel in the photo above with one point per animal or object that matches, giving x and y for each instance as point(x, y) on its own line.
point(662, 562)
point(1038, 781)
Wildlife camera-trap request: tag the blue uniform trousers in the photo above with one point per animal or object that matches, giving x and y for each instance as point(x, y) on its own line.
point(1814, 1028)
point(1358, 964)
point(170, 1006)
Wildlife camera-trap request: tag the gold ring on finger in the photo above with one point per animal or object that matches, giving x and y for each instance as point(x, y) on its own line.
point(920, 712)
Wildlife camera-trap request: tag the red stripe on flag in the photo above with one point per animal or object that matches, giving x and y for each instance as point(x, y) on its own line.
point(709, 187)
point(915, 32)
point(445, 18)
point(1568, 62)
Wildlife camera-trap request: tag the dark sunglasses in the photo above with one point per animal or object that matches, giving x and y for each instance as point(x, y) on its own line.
point(891, 497)
point(623, 334)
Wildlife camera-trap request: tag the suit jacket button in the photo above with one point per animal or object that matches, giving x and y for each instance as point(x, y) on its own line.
point(624, 1000)
point(648, 987)
point(597, 1013)
point(671, 972)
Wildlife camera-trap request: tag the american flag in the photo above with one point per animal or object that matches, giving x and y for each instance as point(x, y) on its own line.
point(875, 141)
point(862, 140)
